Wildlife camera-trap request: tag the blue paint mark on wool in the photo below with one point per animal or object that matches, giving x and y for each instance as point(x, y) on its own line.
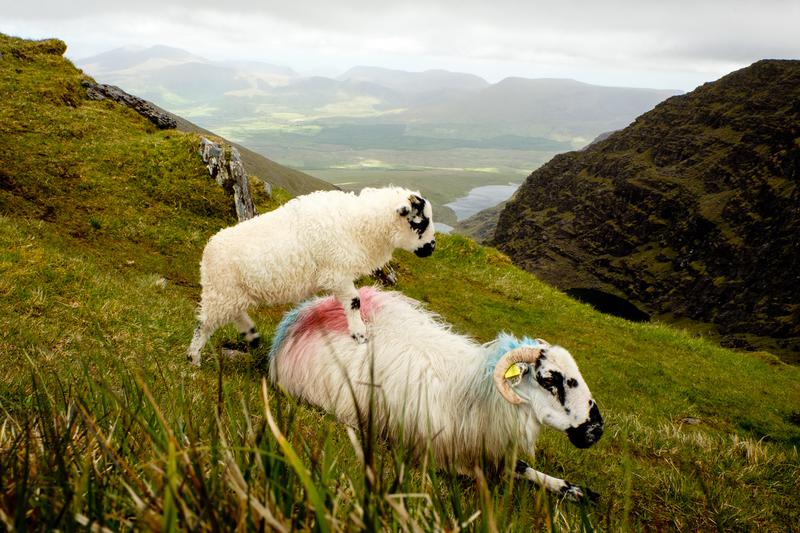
point(503, 344)
point(285, 326)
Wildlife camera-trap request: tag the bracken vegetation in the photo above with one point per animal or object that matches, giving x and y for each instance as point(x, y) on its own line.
point(105, 426)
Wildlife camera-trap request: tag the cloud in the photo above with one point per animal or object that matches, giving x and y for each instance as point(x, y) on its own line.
point(679, 36)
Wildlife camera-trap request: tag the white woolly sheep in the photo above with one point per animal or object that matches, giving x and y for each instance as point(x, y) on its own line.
point(318, 242)
point(436, 388)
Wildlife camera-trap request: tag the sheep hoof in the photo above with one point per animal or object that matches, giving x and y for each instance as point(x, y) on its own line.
point(193, 361)
point(579, 494)
point(360, 338)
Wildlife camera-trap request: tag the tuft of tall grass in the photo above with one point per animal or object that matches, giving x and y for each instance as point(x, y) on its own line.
point(87, 453)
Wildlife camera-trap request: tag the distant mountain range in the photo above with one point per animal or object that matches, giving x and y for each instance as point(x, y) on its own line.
point(164, 74)
point(415, 82)
point(386, 123)
point(693, 211)
point(441, 103)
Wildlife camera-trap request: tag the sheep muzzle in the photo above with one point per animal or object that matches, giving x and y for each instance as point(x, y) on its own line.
point(426, 250)
point(589, 432)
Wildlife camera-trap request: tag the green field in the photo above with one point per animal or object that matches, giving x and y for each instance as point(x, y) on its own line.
point(355, 156)
point(105, 425)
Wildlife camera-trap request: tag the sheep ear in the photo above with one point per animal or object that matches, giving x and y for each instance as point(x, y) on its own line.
point(403, 211)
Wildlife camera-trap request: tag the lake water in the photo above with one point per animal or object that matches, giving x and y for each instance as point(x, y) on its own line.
point(481, 198)
point(441, 227)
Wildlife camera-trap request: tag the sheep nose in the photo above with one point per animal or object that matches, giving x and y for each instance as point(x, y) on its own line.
point(426, 250)
point(589, 432)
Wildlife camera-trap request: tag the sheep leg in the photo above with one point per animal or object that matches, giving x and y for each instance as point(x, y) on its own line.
point(347, 294)
point(247, 328)
point(572, 492)
point(201, 335)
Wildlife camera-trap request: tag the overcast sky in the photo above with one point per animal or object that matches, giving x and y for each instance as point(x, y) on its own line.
point(675, 44)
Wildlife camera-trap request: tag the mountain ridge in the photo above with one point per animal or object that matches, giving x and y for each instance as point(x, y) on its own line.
point(415, 81)
point(691, 211)
point(442, 136)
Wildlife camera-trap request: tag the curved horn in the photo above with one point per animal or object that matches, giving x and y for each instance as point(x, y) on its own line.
point(526, 354)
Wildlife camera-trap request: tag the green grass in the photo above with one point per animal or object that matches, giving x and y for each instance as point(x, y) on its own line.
point(104, 424)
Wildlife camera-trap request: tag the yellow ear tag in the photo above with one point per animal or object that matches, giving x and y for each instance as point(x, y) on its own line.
point(512, 372)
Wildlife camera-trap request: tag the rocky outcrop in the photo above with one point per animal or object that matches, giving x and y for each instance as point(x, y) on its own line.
point(226, 167)
point(482, 224)
point(693, 211)
point(100, 91)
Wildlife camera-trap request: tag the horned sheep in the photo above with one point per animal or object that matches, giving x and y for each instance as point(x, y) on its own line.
point(318, 242)
point(436, 388)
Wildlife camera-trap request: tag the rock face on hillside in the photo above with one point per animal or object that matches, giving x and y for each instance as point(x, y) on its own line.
point(692, 211)
point(269, 172)
point(226, 167)
point(153, 113)
point(482, 224)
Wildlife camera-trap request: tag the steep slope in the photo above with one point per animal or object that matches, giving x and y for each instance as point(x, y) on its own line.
point(691, 212)
point(293, 181)
point(102, 222)
point(149, 71)
point(481, 225)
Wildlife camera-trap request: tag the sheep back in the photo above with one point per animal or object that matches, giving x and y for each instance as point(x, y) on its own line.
point(428, 380)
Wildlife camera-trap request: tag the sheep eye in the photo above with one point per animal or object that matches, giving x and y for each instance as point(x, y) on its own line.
point(554, 383)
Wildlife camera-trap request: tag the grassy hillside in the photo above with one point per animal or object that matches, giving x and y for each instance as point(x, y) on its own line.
point(102, 221)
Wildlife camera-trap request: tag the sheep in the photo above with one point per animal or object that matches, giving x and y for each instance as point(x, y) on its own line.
point(318, 242)
point(436, 388)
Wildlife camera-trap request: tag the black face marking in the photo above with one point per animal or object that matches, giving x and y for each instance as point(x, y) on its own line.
point(418, 221)
point(572, 383)
point(417, 203)
point(554, 382)
point(355, 303)
point(251, 331)
point(419, 224)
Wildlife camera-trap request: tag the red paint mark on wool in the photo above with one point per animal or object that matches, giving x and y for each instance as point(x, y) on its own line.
point(310, 335)
point(328, 315)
